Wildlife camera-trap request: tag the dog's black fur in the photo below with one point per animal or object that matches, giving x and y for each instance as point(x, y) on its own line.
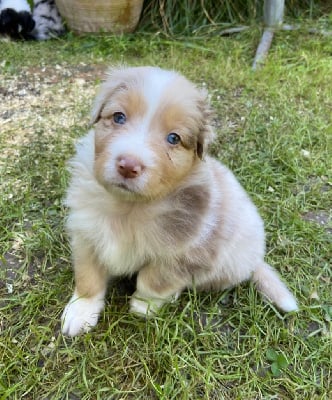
point(16, 24)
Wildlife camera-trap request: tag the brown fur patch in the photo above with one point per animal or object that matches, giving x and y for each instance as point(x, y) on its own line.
point(129, 101)
point(184, 221)
point(160, 281)
point(173, 165)
point(101, 161)
point(102, 136)
point(174, 118)
point(90, 277)
point(154, 280)
point(190, 268)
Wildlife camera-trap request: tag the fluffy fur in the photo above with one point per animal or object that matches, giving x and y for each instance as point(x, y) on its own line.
point(144, 201)
point(48, 20)
point(15, 18)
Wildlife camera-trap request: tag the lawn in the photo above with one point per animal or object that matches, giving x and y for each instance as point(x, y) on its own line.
point(274, 130)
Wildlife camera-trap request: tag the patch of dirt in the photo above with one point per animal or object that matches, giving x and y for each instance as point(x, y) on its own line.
point(45, 99)
point(15, 272)
point(55, 74)
point(320, 217)
point(12, 264)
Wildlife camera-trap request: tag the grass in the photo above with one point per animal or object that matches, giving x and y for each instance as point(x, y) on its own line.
point(274, 131)
point(197, 17)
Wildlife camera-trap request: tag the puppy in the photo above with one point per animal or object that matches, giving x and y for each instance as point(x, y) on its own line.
point(145, 198)
point(48, 20)
point(15, 18)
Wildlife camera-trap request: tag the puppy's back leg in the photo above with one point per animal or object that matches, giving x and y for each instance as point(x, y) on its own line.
point(83, 309)
point(155, 286)
point(269, 284)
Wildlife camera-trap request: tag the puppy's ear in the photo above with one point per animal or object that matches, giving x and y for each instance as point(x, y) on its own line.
point(206, 133)
point(98, 105)
point(113, 81)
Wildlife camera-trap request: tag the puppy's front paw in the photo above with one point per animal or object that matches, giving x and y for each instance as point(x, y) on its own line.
point(81, 314)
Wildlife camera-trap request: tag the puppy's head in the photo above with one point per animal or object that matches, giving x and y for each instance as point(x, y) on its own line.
point(9, 21)
point(151, 128)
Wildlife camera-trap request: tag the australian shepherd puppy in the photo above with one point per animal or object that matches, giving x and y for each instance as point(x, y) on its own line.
point(145, 198)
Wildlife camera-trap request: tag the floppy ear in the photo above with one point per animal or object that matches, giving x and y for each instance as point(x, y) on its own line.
point(206, 133)
point(114, 80)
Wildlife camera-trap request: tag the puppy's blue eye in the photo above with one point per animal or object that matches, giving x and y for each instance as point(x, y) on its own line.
point(119, 118)
point(173, 138)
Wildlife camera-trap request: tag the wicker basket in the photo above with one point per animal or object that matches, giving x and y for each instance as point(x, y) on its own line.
point(115, 16)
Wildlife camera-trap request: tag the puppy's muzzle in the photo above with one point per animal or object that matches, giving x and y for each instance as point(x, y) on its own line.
point(129, 166)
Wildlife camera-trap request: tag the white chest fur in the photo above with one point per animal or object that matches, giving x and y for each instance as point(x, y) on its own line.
point(122, 242)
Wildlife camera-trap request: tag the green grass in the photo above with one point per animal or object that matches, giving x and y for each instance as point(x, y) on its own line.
point(173, 17)
point(274, 131)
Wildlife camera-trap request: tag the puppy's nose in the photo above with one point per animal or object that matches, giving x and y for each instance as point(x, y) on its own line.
point(129, 167)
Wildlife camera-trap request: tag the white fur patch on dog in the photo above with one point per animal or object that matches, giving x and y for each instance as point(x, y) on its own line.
point(17, 5)
point(81, 314)
point(148, 306)
point(144, 307)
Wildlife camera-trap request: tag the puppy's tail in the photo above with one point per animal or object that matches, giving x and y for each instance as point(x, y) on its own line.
point(270, 285)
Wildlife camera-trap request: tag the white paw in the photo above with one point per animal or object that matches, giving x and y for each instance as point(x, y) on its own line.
point(81, 314)
point(143, 306)
point(148, 307)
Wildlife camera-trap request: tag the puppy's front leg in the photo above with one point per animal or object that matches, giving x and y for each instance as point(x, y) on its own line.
point(83, 309)
point(155, 287)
